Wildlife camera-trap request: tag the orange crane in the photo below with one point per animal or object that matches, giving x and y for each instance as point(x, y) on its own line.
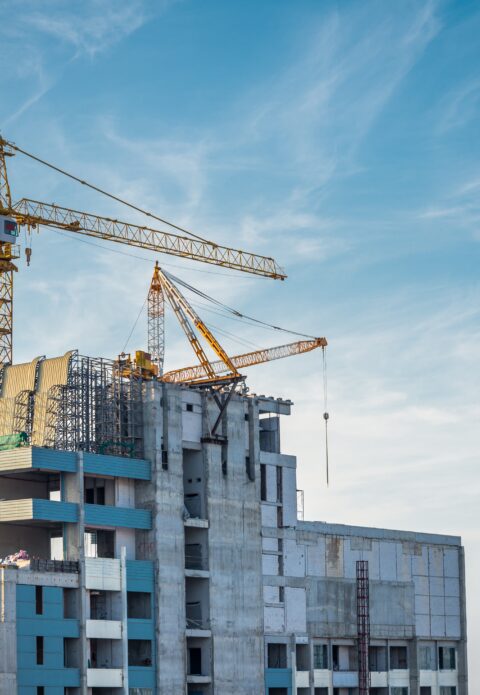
point(150, 364)
point(198, 375)
point(32, 214)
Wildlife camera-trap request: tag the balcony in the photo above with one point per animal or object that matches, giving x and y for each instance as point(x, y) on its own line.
point(105, 678)
point(28, 510)
point(104, 629)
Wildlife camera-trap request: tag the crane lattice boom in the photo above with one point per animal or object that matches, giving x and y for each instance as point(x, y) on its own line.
point(33, 212)
point(199, 373)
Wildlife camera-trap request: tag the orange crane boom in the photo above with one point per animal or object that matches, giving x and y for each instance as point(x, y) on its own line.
point(198, 374)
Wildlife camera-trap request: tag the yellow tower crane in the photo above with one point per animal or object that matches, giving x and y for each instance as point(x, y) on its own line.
point(224, 370)
point(32, 214)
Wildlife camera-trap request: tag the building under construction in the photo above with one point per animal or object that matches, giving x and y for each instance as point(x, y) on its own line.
point(164, 554)
point(150, 539)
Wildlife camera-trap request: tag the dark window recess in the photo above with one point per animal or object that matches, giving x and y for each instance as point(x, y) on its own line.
point(320, 656)
point(39, 600)
point(377, 658)
point(89, 495)
point(195, 661)
point(281, 594)
point(279, 517)
point(139, 605)
point(40, 690)
point(279, 484)
point(39, 650)
point(164, 459)
point(446, 658)
point(277, 655)
point(189, 408)
point(398, 658)
point(139, 652)
point(246, 417)
point(425, 690)
point(322, 691)
point(263, 482)
point(278, 691)
point(224, 466)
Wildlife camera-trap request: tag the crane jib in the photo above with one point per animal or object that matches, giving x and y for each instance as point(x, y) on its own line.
point(31, 212)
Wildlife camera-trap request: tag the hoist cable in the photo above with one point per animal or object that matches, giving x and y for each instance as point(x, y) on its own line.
point(105, 193)
point(325, 412)
point(234, 311)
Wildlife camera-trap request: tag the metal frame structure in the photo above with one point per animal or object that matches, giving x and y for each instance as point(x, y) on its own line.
point(156, 321)
point(99, 410)
point(363, 626)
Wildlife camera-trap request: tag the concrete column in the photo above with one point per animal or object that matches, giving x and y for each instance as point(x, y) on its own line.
point(462, 646)
point(234, 540)
point(165, 543)
point(413, 666)
point(73, 491)
point(123, 575)
point(8, 631)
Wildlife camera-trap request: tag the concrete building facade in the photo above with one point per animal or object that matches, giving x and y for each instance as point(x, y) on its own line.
point(186, 571)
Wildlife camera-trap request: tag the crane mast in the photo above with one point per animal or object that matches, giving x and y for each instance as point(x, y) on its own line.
point(8, 252)
point(156, 321)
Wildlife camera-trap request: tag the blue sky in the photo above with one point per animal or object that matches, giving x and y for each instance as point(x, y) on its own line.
point(340, 137)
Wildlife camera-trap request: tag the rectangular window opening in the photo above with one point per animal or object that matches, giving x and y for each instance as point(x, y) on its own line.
point(39, 645)
point(39, 600)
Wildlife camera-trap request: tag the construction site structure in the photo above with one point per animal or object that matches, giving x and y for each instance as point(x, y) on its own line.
point(184, 568)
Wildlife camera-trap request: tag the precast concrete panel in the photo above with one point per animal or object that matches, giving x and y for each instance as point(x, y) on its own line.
point(269, 515)
point(271, 478)
point(453, 626)
point(420, 563)
point(316, 559)
point(436, 586)
point(452, 587)
point(274, 618)
point(451, 563)
point(270, 544)
point(435, 562)
point(295, 610)
point(294, 559)
point(388, 560)
point(334, 556)
point(438, 626)
point(289, 496)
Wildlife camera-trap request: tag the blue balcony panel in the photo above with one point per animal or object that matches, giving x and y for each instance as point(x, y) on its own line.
point(141, 677)
point(49, 510)
point(140, 575)
point(116, 466)
point(105, 515)
point(37, 625)
point(278, 678)
point(41, 675)
point(140, 629)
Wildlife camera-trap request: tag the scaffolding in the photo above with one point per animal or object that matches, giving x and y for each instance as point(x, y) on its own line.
point(363, 626)
point(97, 409)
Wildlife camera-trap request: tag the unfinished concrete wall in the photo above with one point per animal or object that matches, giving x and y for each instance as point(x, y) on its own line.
point(8, 632)
point(236, 595)
point(164, 544)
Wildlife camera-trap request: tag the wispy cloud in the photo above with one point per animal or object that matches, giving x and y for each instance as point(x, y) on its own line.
point(40, 41)
point(459, 107)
